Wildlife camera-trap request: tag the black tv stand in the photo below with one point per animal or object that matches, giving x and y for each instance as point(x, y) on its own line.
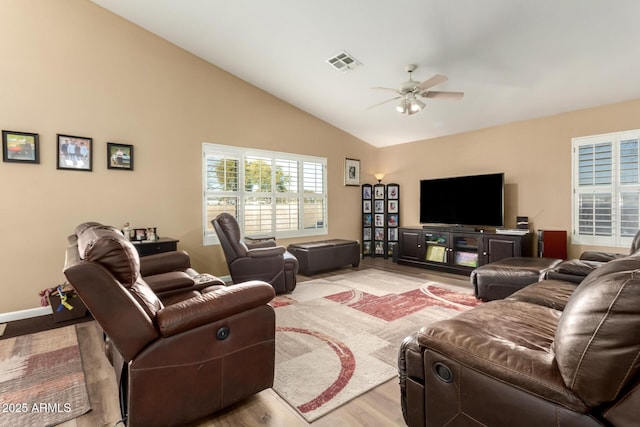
point(458, 249)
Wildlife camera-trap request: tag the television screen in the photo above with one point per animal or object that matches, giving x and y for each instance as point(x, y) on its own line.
point(464, 200)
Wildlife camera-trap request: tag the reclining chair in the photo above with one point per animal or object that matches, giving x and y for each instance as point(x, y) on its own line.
point(258, 261)
point(181, 358)
point(575, 270)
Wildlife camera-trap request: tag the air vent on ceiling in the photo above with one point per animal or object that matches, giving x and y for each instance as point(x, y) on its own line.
point(343, 62)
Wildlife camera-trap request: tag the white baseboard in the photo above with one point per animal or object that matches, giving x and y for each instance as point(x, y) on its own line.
point(24, 314)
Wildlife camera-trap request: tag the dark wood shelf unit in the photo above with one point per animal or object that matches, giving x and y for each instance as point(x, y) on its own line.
point(380, 219)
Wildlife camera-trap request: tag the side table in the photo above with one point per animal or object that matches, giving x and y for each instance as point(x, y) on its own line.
point(163, 244)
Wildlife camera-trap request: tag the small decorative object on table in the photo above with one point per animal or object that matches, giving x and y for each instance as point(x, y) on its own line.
point(126, 230)
point(152, 234)
point(139, 234)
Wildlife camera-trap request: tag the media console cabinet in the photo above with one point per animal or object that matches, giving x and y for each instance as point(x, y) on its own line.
point(458, 250)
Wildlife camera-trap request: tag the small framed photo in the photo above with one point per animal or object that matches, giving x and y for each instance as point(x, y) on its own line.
point(366, 206)
point(75, 152)
point(366, 220)
point(379, 220)
point(392, 191)
point(352, 172)
point(392, 221)
point(366, 191)
point(20, 147)
point(366, 234)
point(119, 156)
point(139, 234)
point(391, 247)
point(393, 206)
point(378, 191)
point(379, 206)
point(366, 248)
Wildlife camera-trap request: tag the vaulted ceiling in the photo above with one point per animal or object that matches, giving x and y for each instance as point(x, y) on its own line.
point(513, 59)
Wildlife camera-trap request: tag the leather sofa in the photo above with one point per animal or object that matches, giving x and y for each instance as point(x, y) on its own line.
point(575, 270)
point(179, 358)
point(255, 261)
point(553, 353)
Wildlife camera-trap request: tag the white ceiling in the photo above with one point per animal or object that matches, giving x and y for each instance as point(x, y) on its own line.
point(514, 59)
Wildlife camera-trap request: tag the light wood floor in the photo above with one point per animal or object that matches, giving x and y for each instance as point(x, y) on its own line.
point(378, 407)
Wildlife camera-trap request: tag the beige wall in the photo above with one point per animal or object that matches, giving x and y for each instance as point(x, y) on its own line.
point(535, 156)
point(71, 67)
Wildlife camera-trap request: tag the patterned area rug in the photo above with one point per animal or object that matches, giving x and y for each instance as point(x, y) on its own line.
point(339, 336)
point(42, 382)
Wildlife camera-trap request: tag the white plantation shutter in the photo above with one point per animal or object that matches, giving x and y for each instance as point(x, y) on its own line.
point(221, 181)
point(280, 194)
point(314, 201)
point(606, 185)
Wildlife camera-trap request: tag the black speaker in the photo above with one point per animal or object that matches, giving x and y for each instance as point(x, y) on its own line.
point(522, 222)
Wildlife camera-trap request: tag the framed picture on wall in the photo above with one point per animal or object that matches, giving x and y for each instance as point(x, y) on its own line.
point(21, 147)
point(75, 152)
point(352, 172)
point(119, 156)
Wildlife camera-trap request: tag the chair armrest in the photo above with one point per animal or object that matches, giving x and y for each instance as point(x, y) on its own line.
point(213, 306)
point(600, 256)
point(262, 244)
point(266, 252)
point(164, 262)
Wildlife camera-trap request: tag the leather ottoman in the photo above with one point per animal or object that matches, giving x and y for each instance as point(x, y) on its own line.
point(314, 257)
point(500, 279)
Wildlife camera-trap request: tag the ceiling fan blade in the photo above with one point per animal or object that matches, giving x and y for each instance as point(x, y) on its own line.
point(383, 102)
point(442, 95)
point(384, 88)
point(435, 80)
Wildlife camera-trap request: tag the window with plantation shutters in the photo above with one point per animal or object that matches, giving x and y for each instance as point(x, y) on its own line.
point(606, 189)
point(273, 193)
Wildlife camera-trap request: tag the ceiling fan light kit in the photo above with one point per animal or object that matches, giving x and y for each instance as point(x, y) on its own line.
point(411, 89)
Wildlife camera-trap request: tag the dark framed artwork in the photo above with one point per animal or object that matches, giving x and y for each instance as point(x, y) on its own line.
point(20, 147)
point(119, 156)
point(352, 172)
point(75, 152)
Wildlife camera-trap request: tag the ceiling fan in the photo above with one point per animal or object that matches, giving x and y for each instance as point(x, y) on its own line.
point(410, 90)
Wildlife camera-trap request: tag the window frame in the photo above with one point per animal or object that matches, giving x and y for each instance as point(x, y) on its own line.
point(615, 189)
point(241, 154)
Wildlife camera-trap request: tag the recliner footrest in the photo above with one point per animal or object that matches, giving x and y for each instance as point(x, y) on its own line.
point(500, 279)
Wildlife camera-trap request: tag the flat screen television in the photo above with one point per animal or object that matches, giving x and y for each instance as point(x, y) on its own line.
point(464, 200)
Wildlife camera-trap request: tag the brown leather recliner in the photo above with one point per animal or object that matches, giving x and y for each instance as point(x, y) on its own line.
point(552, 353)
point(259, 261)
point(166, 273)
point(575, 270)
point(177, 359)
